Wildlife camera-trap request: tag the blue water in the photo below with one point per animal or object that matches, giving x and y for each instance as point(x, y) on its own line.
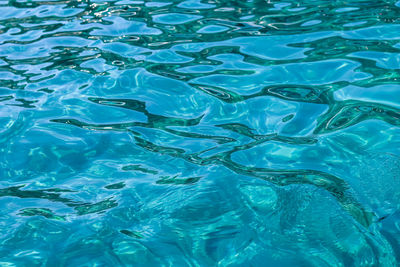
point(199, 133)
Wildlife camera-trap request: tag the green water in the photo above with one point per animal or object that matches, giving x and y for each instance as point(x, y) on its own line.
point(199, 133)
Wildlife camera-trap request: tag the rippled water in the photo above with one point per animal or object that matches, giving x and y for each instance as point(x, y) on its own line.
point(200, 133)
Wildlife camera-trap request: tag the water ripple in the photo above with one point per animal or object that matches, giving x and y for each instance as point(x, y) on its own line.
point(199, 133)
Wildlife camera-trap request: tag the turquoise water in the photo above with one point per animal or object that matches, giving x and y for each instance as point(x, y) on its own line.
point(199, 133)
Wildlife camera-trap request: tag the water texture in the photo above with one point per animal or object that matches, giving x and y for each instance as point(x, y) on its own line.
point(199, 133)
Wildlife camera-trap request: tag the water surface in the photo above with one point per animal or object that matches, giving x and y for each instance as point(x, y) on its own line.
point(199, 133)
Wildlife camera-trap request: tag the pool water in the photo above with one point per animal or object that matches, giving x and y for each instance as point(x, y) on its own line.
point(199, 133)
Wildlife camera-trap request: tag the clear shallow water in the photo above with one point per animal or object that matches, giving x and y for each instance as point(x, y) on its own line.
point(199, 133)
